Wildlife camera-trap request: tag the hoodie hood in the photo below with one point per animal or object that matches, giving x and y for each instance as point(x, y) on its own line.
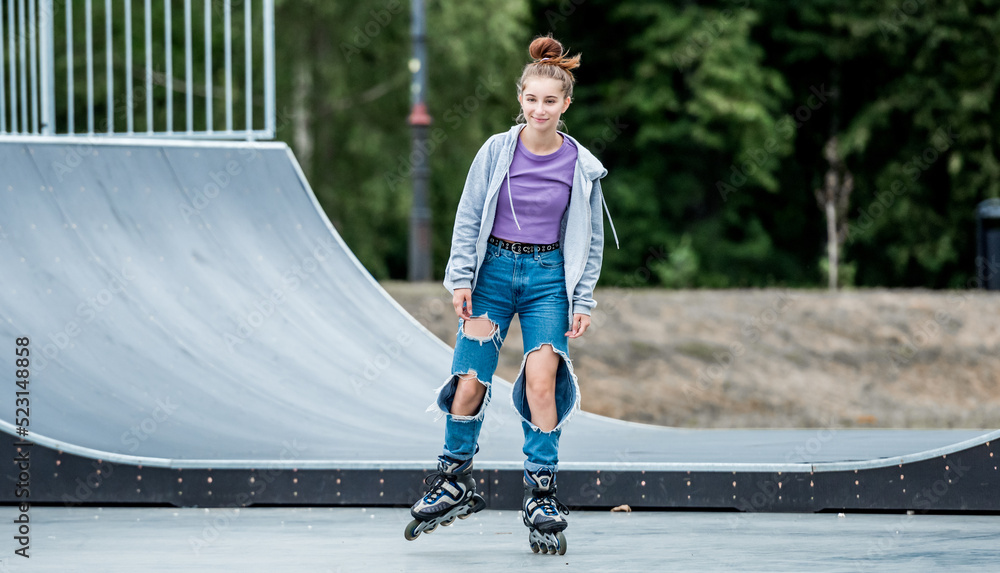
point(591, 166)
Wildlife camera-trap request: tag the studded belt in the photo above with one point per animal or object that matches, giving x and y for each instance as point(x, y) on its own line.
point(522, 248)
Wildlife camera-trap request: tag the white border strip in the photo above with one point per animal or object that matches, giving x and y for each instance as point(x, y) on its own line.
point(823, 467)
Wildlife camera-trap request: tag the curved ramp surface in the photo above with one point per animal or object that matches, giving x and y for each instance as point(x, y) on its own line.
point(193, 303)
point(189, 305)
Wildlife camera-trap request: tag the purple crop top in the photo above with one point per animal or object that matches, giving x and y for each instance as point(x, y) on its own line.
point(535, 196)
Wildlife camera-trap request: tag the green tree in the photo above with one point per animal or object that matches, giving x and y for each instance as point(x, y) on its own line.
point(345, 80)
point(699, 141)
point(925, 137)
point(904, 87)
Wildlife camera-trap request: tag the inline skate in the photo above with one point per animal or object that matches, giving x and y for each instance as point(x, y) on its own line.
point(451, 495)
point(541, 512)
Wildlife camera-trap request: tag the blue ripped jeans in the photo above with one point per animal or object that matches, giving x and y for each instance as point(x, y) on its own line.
point(533, 285)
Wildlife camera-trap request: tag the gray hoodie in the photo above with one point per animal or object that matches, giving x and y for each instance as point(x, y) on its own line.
point(581, 233)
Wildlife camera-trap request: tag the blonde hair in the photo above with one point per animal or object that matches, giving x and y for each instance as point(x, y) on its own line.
point(550, 61)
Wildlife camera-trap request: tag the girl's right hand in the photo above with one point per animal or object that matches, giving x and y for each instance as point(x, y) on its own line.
point(462, 301)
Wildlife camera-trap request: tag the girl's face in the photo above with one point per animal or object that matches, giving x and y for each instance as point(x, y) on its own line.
point(542, 102)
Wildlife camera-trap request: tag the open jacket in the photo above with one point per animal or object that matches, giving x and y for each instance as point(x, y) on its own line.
point(581, 233)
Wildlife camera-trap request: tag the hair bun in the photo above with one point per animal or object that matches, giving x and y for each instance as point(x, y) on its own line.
point(548, 49)
point(545, 47)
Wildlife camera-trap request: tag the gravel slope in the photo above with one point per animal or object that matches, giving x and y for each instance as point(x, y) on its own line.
point(774, 358)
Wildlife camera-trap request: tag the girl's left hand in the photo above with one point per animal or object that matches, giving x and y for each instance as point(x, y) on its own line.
point(580, 324)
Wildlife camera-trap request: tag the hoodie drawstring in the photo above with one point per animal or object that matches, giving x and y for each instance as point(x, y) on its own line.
point(511, 197)
point(606, 210)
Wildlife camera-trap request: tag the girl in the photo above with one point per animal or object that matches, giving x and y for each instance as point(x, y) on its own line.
point(528, 239)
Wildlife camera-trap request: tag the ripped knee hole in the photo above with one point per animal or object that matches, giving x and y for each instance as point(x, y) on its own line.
point(480, 327)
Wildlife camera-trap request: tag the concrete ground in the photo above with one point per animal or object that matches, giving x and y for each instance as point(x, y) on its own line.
point(334, 540)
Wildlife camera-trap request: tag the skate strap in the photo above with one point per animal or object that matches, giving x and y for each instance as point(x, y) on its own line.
point(550, 505)
point(439, 484)
point(454, 491)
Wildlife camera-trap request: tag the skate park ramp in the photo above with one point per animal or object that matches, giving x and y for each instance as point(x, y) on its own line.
point(190, 306)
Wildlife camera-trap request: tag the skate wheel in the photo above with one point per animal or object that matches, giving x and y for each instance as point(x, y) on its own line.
point(411, 533)
point(535, 548)
point(562, 543)
point(448, 521)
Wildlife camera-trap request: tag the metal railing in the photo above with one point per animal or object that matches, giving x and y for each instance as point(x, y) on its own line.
point(35, 53)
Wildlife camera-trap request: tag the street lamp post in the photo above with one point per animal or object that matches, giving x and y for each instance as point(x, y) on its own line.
point(419, 120)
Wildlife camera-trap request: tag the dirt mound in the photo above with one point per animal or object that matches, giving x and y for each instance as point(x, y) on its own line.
point(774, 358)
